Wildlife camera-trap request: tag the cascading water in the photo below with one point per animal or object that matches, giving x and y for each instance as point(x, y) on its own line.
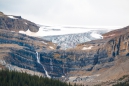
point(38, 60)
point(51, 64)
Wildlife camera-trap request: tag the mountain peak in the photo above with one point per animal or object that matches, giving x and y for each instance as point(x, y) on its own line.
point(1, 13)
point(16, 23)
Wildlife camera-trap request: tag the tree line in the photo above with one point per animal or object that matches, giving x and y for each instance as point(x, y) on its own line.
point(13, 78)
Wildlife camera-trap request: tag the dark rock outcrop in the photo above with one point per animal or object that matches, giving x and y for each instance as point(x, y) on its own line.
point(106, 54)
point(16, 23)
point(20, 50)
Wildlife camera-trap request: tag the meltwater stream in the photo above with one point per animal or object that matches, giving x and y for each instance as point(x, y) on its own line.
point(38, 60)
point(51, 64)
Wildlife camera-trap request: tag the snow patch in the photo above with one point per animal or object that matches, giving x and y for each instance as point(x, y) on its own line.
point(12, 31)
point(35, 34)
point(25, 23)
point(51, 31)
point(96, 35)
point(12, 17)
point(87, 48)
point(62, 76)
point(44, 42)
point(28, 32)
point(51, 47)
point(58, 30)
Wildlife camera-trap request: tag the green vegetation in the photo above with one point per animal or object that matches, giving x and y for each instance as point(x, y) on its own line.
point(13, 78)
point(124, 81)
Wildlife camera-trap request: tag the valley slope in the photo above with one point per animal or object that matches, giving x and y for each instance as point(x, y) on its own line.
point(89, 63)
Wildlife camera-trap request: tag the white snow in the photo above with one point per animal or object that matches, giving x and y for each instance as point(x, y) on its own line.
point(44, 42)
point(38, 60)
point(96, 35)
point(12, 31)
point(12, 17)
point(25, 23)
point(28, 32)
point(2, 62)
point(51, 47)
point(62, 31)
point(87, 48)
point(63, 76)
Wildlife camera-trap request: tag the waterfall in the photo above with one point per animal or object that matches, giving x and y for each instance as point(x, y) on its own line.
point(51, 64)
point(38, 60)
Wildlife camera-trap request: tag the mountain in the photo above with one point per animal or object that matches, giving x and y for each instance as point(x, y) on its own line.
point(19, 51)
point(116, 32)
point(97, 61)
point(111, 56)
point(16, 23)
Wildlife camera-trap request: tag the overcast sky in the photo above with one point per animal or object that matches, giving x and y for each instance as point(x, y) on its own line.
point(94, 13)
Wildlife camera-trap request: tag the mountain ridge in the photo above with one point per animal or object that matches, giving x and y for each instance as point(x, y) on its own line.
point(16, 23)
point(102, 59)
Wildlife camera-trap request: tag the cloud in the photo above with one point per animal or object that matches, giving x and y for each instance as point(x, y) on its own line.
point(70, 12)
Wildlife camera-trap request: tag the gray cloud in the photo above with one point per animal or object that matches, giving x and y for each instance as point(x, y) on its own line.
point(70, 12)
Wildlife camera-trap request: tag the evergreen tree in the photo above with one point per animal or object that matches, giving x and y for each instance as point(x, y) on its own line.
point(12, 78)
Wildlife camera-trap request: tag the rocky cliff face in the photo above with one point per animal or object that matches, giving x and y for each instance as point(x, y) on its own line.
point(118, 45)
point(16, 23)
point(108, 53)
point(104, 59)
point(20, 50)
